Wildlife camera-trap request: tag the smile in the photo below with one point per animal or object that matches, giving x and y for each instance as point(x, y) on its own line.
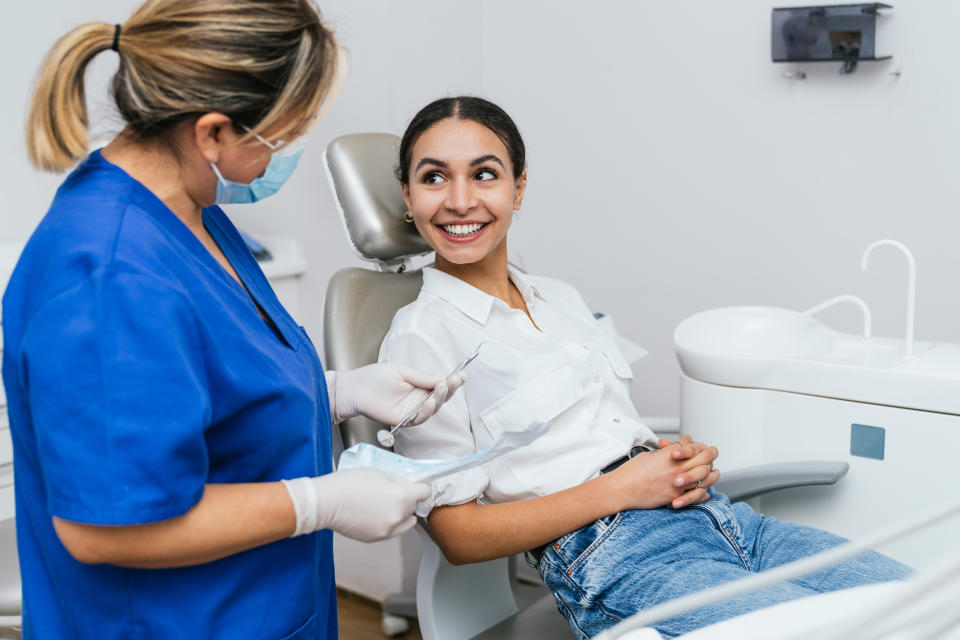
point(462, 230)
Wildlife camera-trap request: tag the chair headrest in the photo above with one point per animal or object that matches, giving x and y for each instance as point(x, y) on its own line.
point(360, 167)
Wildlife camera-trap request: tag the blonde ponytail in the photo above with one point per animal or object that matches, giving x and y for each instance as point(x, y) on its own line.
point(267, 64)
point(57, 122)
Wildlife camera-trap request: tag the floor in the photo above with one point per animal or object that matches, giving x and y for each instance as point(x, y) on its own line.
point(360, 619)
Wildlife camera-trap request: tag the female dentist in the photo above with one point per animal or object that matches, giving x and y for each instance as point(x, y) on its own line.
point(170, 420)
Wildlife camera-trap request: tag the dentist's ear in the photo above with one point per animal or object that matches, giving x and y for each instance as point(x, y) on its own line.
point(212, 131)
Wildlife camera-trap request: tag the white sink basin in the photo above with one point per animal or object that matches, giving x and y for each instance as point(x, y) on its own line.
point(757, 332)
point(781, 349)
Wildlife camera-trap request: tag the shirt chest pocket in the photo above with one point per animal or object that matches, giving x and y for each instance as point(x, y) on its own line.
point(538, 400)
point(541, 399)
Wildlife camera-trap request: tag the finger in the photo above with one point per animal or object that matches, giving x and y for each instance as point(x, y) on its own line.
point(692, 476)
point(697, 447)
point(440, 393)
point(406, 525)
point(694, 496)
point(687, 438)
point(418, 378)
point(663, 443)
point(683, 451)
point(455, 381)
point(425, 412)
point(421, 491)
point(711, 478)
point(707, 456)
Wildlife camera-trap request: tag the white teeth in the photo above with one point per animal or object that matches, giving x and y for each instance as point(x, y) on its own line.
point(462, 229)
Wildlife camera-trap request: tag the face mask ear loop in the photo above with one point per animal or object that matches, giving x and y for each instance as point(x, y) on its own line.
point(273, 146)
point(219, 175)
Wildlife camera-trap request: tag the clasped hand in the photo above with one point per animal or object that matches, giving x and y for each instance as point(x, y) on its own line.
point(678, 474)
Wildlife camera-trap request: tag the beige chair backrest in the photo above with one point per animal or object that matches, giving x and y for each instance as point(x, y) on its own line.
point(360, 303)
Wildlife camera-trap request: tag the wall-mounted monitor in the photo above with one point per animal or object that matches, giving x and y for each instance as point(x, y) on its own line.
point(842, 32)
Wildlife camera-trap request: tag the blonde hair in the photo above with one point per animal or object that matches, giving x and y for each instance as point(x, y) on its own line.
point(264, 63)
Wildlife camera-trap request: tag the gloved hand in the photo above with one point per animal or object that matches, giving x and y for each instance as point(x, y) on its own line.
point(364, 504)
point(386, 392)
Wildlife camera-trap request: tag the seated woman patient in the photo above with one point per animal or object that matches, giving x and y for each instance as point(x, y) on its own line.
point(615, 521)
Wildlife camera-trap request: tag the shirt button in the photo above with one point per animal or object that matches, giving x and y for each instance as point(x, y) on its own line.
point(596, 379)
point(616, 419)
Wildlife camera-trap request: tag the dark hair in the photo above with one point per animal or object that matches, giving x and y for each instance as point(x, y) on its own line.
point(472, 108)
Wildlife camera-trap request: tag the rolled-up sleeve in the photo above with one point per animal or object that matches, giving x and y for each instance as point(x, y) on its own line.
point(446, 435)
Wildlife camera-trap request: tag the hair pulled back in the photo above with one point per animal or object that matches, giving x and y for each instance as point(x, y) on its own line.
point(263, 63)
point(472, 108)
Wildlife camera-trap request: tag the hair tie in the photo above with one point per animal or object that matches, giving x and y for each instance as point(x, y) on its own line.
point(116, 38)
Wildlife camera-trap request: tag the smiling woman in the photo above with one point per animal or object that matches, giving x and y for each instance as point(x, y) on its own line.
point(463, 171)
point(616, 520)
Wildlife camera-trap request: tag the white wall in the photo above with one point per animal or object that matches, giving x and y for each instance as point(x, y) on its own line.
point(671, 166)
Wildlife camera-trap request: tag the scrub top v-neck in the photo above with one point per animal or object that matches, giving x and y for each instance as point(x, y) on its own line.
point(137, 371)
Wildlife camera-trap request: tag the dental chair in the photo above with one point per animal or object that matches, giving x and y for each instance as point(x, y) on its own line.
point(9, 581)
point(452, 602)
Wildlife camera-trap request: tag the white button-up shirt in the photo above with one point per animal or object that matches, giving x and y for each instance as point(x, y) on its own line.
point(569, 373)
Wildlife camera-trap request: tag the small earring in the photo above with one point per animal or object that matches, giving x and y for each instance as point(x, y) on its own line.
point(407, 217)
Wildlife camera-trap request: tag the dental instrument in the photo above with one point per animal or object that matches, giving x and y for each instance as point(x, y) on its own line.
point(385, 438)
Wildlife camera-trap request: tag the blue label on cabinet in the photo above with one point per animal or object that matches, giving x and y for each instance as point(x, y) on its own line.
point(866, 441)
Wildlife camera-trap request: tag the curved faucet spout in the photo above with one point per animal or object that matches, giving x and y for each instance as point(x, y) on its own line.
point(911, 285)
point(857, 300)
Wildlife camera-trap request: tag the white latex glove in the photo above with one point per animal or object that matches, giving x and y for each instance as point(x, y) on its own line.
point(387, 392)
point(364, 504)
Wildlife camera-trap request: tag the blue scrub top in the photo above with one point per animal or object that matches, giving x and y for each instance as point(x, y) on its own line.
point(137, 370)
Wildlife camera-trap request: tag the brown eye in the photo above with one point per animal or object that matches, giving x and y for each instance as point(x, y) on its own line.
point(485, 174)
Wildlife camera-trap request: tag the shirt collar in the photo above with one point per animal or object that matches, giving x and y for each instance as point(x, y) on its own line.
point(467, 298)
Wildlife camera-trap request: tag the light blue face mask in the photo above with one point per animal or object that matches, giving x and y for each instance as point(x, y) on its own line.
point(279, 169)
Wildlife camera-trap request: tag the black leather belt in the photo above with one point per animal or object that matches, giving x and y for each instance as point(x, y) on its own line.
point(613, 466)
point(635, 451)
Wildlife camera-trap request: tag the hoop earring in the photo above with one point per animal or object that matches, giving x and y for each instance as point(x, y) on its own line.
point(407, 217)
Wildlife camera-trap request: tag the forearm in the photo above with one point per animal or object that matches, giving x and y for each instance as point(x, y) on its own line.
point(229, 518)
point(474, 533)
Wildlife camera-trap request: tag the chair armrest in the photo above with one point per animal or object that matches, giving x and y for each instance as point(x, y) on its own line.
point(741, 484)
point(458, 602)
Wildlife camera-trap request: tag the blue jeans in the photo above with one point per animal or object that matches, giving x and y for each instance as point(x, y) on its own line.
point(633, 560)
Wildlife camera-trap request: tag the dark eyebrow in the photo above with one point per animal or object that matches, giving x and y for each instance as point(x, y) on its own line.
point(423, 161)
point(486, 158)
